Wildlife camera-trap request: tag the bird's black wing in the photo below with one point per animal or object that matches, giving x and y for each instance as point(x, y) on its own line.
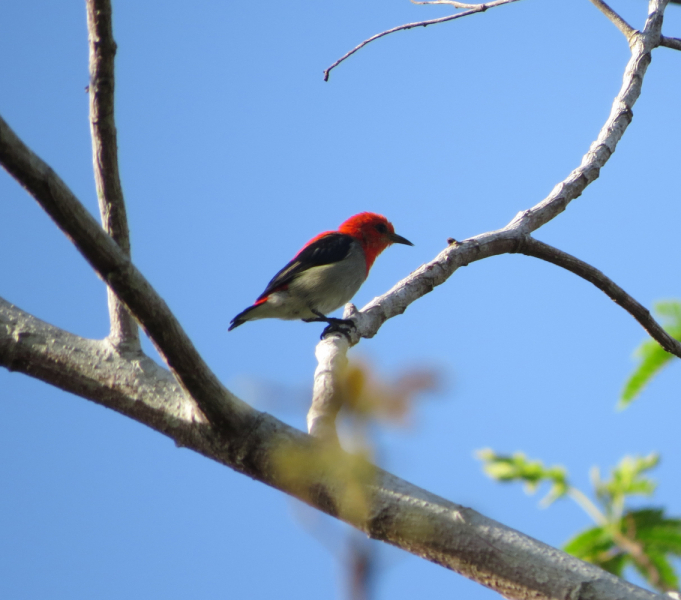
point(327, 249)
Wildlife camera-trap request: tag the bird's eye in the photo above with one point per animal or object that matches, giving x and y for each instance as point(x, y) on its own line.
point(381, 228)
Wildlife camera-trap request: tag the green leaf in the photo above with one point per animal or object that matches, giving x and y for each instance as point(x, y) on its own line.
point(518, 467)
point(650, 517)
point(590, 543)
point(652, 359)
point(659, 539)
point(616, 564)
point(651, 528)
point(651, 355)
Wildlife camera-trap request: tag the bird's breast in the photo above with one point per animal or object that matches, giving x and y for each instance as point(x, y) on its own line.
point(326, 288)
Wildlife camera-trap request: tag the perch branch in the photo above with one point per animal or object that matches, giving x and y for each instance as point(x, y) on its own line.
point(124, 333)
point(478, 8)
point(506, 240)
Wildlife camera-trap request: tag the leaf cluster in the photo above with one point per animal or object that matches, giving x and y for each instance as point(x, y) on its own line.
point(644, 538)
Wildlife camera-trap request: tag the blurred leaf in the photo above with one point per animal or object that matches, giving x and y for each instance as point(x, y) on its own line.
point(347, 476)
point(627, 479)
point(517, 467)
point(616, 564)
point(650, 527)
point(366, 396)
point(651, 355)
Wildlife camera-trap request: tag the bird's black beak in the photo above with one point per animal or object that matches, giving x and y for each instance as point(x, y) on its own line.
point(398, 239)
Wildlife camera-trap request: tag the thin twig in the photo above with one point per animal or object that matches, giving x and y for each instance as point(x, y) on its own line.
point(447, 2)
point(667, 42)
point(532, 247)
point(618, 21)
point(124, 333)
point(478, 8)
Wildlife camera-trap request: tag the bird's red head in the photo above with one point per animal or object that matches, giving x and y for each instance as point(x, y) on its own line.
point(374, 232)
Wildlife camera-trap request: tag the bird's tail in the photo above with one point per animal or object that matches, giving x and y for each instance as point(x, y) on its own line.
point(243, 316)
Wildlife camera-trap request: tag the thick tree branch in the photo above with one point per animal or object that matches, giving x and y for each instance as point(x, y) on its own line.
point(618, 21)
point(114, 267)
point(124, 333)
point(508, 239)
point(477, 9)
point(532, 247)
point(396, 512)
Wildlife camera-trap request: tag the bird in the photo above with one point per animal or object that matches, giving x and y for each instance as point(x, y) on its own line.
point(325, 274)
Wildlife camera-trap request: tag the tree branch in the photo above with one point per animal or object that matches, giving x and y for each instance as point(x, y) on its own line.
point(369, 320)
point(673, 43)
point(114, 267)
point(397, 512)
point(124, 333)
point(532, 247)
point(477, 8)
point(618, 21)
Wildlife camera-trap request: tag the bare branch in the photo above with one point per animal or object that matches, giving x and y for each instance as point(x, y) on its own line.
point(618, 21)
point(478, 8)
point(533, 247)
point(428, 276)
point(673, 43)
point(114, 267)
point(447, 2)
point(398, 512)
point(124, 333)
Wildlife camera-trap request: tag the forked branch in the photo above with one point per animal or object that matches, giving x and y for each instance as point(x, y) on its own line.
point(220, 406)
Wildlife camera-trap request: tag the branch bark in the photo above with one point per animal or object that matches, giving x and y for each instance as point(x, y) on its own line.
point(673, 43)
point(124, 333)
point(397, 512)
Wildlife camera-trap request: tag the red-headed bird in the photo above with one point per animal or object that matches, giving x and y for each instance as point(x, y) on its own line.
point(325, 274)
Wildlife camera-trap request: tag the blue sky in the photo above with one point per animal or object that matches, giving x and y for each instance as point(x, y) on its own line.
point(233, 153)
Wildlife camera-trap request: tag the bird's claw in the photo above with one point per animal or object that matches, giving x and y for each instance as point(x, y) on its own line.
point(338, 326)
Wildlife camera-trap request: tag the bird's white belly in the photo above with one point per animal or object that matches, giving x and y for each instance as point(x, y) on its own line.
point(324, 289)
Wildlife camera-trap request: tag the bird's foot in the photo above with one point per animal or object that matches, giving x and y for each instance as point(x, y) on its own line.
point(338, 326)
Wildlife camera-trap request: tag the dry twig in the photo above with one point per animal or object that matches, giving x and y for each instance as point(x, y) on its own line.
point(478, 8)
